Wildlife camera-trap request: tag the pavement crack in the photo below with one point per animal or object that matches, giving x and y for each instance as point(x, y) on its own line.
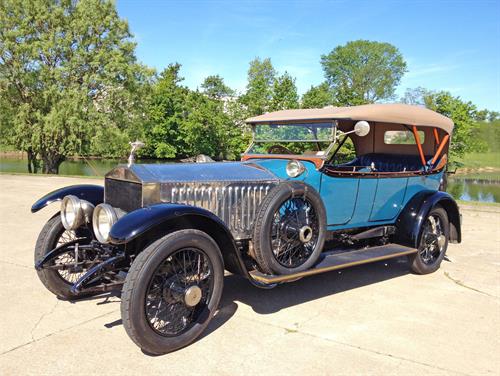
point(56, 332)
point(380, 353)
point(16, 264)
point(461, 284)
point(41, 318)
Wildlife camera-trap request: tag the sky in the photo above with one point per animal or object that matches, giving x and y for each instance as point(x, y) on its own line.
point(447, 45)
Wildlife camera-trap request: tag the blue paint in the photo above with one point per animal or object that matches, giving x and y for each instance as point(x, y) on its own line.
point(310, 176)
point(353, 202)
point(389, 197)
point(339, 197)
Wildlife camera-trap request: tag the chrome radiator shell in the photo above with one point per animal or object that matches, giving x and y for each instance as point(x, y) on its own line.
point(236, 204)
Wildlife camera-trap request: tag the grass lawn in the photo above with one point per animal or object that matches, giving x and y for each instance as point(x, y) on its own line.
point(481, 160)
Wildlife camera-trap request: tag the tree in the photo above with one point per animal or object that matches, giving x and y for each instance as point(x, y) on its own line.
point(215, 88)
point(166, 112)
point(317, 96)
point(415, 96)
point(463, 115)
point(184, 123)
point(284, 93)
point(261, 77)
point(363, 72)
point(487, 115)
point(69, 76)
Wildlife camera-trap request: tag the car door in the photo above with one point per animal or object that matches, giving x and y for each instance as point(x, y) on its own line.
point(389, 196)
point(339, 196)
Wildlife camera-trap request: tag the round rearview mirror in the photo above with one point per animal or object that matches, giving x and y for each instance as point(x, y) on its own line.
point(362, 128)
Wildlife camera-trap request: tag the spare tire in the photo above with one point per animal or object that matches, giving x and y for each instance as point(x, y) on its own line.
point(289, 230)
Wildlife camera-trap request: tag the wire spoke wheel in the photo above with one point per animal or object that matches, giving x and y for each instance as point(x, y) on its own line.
point(60, 273)
point(433, 240)
point(69, 260)
point(179, 291)
point(294, 232)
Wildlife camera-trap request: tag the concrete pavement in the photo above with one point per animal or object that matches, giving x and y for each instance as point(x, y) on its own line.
point(375, 319)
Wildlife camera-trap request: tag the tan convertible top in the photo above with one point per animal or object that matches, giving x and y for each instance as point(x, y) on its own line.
point(385, 113)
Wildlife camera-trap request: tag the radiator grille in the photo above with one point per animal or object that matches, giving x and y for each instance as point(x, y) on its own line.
point(235, 204)
point(123, 194)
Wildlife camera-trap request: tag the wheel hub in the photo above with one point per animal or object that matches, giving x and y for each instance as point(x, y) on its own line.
point(305, 234)
point(192, 296)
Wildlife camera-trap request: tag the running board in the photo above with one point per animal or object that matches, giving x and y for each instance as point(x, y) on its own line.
point(339, 259)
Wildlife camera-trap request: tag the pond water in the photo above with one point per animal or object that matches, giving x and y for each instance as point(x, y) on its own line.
point(470, 188)
point(89, 167)
point(479, 187)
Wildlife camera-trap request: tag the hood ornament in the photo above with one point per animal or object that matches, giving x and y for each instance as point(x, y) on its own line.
point(136, 145)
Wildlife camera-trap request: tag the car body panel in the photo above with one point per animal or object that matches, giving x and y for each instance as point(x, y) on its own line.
point(89, 192)
point(415, 212)
point(388, 200)
point(339, 197)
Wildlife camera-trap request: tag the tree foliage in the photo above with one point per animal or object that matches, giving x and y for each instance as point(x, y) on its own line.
point(317, 96)
point(363, 72)
point(284, 93)
point(184, 123)
point(261, 77)
point(215, 88)
point(69, 76)
point(463, 115)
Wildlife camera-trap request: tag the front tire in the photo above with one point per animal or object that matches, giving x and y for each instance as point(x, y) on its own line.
point(54, 234)
point(172, 291)
point(433, 242)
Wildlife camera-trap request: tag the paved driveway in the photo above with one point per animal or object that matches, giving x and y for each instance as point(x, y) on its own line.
point(374, 319)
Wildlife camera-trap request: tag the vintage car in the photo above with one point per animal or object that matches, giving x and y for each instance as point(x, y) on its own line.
point(317, 190)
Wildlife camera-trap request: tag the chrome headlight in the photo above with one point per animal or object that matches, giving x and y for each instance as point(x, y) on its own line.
point(71, 212)
point(103, 219)
point(294, 168)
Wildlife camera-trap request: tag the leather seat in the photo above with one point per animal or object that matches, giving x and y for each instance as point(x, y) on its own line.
point(389, 162)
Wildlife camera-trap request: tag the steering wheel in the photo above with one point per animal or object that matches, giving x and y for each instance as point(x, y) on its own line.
point(278, 149)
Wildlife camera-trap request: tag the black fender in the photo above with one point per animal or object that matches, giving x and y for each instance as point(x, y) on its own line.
point(410, 220)
point(147, 224)
point(92, 193)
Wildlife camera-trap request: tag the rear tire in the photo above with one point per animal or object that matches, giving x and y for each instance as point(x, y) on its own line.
point(433, 242)
point(167, 301)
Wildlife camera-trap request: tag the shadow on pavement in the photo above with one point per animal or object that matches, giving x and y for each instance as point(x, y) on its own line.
point(238, 289)
point(310, 288)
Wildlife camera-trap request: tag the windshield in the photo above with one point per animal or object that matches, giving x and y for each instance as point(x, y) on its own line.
point(315, 132)
point(294, 138)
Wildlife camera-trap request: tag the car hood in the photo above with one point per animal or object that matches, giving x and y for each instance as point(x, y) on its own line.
point(193, 172)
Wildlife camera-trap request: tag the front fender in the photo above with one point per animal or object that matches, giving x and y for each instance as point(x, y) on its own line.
point(140, 221)
point(410, 221)
point(146, 224)
point(92, 193)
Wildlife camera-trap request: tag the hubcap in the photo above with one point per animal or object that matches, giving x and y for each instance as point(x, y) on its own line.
point(192, 296)
point(305, 234)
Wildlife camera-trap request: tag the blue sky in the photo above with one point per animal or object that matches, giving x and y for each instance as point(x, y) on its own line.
point(448, 45)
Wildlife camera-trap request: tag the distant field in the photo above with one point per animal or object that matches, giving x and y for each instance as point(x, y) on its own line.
point(481, 160)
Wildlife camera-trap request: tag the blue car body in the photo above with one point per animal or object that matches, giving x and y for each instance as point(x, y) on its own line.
point(362, 201)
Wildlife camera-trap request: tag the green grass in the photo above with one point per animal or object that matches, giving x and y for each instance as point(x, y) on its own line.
point(481, 160)
point(6, 148)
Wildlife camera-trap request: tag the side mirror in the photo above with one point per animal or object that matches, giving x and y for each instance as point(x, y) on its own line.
point(362, 128)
